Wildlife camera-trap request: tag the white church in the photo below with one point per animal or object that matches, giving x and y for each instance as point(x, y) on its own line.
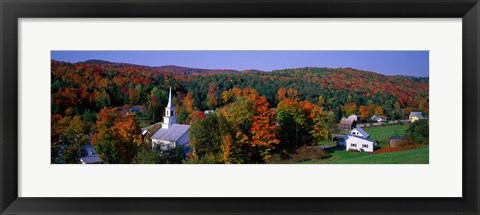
point(171, 133)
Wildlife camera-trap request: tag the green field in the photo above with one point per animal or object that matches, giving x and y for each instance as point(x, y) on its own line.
point(410, 156)
point(380, 134)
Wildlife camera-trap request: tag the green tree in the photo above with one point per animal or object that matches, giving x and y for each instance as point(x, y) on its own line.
point(146, 157)
point(205, 135)
point(240, 113)
point(417, 132)
point(173, 155)
point(350, 109)
point(157, 100)
point(71, 134)
point(293, 122)
point(107, 152)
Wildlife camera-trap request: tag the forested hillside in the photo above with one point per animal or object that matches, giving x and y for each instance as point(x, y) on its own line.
point(258, 115)
point(92, 85)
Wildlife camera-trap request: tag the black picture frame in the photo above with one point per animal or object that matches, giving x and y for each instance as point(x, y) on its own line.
point(11, 11)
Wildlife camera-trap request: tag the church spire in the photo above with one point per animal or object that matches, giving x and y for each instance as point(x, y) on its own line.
point(170, 116)
point(169, 105)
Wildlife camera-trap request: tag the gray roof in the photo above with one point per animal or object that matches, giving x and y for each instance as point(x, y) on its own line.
point(347, 121)
point(348, 136)
point(361, 131)
point(415, 114)
point(91, 159)
point(355, 117)
point(171, 134)
point(89, 154)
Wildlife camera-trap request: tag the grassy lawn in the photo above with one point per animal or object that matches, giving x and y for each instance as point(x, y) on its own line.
point(410, 156)
point(326, 143)
point(380, 134)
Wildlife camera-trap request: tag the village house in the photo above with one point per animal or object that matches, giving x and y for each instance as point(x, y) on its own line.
point(171, 133)
point(414, 116)
point(376, 118)
point(354, 117)
point(353, 142)
point(146, 136)
point(126, 110)
point(89, 155)
point(347, 123)
point(357, 139)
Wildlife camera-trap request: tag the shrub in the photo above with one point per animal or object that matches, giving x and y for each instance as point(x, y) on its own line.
point(277, 159)
point(417, 132)
point(209, 158)
point(305, 153)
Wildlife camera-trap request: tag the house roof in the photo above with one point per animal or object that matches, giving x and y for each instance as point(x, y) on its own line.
point(91, 159)
point(347, 121)
point(90, 155)
point(171, 134)
point(361, 131)
point(355, 117)
point(125, 109)
point(415, 114)
point(349, 136)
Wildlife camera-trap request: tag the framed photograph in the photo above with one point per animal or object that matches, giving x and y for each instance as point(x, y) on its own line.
point(252, 107)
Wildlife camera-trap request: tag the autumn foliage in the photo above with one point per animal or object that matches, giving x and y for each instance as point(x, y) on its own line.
point(256, 115)
point(120, 132)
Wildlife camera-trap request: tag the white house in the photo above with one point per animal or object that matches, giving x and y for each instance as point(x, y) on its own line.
point(171, 133)
point(357, 131)
point(358, 143)
point(376, 118)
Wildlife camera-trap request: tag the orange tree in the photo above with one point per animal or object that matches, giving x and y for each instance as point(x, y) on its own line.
point(117, 138)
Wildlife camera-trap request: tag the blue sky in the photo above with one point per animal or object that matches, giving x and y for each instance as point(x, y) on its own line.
point(411, 63)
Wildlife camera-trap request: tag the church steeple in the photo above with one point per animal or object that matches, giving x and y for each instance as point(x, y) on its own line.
point(169, 105)
point(170, 117)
